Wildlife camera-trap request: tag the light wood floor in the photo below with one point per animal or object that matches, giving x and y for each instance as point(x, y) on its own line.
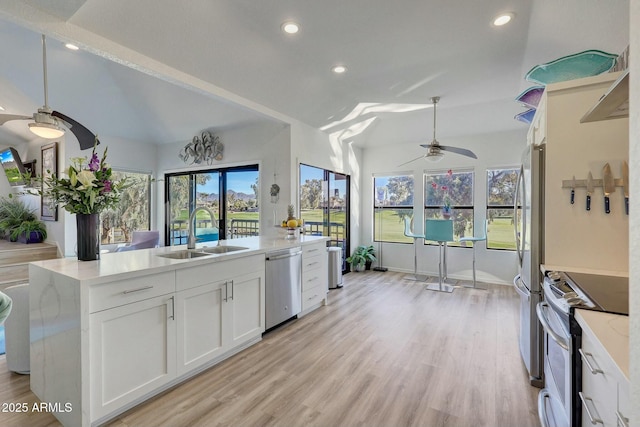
point(384, 352)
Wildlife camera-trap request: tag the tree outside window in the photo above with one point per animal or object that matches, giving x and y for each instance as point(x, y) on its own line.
point(393, 201)
point(132, 213)
point(501, 185)
point(455, 188)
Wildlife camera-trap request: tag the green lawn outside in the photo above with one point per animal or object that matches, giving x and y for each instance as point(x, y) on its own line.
point(500, 233)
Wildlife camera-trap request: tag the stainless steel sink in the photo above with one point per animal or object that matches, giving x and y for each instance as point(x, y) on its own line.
point(183, 254)
point(222, 249)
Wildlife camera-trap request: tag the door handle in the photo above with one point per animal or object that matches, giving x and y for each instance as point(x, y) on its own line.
point(546, 325)
point(231, 289)
point(226, 291)
point(592, 413)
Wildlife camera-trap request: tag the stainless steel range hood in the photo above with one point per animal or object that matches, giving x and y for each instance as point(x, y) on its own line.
point(614, 104)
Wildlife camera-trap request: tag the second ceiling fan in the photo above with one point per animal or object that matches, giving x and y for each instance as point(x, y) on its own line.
point(435, 151)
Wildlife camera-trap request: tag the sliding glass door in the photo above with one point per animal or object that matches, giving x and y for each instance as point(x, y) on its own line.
point(324, 205)
point(230, 193)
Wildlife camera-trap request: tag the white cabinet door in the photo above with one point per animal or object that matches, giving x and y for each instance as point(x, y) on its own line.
point(246, 302)
point(200, 321)
point(132, 352)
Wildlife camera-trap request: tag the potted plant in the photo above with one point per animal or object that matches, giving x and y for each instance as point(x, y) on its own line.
point(31, 231)
point(13, 212)
point(360, 257)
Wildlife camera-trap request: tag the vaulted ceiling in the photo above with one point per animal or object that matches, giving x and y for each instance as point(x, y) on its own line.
point(398, 54)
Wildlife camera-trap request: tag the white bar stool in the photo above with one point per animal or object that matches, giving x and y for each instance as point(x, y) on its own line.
point(409, 233)
point(474, 240)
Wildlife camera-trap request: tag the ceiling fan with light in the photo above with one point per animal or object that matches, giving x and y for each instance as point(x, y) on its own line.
point(51, 124)
point(435, 151)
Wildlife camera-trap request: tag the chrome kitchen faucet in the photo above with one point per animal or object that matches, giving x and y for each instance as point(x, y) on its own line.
point(191, 241)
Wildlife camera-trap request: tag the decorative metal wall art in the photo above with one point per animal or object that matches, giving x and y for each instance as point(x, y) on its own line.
point(202, 149)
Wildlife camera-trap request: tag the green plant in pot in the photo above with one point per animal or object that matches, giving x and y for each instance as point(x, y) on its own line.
point(31, 231)
point(13, 212)
point(360, 257)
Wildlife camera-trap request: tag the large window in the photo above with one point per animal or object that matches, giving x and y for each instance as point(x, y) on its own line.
point(232, 194)
point(501, 184)
point(393, 201)
point(453, 188)
point(133, 212)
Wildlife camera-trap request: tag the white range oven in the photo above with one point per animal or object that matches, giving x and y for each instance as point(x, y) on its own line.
point(559, 402)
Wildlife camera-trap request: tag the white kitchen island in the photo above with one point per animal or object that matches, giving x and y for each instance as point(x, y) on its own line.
point(107, 335)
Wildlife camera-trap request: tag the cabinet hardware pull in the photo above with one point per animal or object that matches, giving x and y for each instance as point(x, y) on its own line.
point(173, 308)
point(312, 263)
point(593, 419)
point(593, 370)
point(312, 250)
point(310, 298)
point(622, 420)
point(313, 279)
point(130, 291)
point(226, 291)
point(232, 289)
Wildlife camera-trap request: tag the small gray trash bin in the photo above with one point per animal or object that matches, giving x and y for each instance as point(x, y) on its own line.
point(335, 267)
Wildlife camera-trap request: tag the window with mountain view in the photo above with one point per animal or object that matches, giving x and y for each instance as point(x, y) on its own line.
point(232, 194)
point(501, 184)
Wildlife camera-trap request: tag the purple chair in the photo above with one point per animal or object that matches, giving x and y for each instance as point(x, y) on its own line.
point(142, 240)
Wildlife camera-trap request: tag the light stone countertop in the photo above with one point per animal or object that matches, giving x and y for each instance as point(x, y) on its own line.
point(123, 265)
point(567, 269)
point(612, 331)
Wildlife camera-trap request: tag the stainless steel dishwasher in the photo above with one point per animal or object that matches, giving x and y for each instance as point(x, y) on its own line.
point(283, 286)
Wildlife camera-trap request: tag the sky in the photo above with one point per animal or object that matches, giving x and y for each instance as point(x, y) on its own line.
point(240, 182)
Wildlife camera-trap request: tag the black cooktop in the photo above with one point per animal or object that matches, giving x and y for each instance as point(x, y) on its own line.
point(608, 293)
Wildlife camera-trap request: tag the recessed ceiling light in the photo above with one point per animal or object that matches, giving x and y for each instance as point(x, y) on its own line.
point(71, 46)
point(503, 18)
point(290, 27)
point(339, 69)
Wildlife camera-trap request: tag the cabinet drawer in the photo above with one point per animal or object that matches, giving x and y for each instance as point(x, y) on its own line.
point(114, 294)
point(311, 250)
point(312, 297)
point(599, 387)
point(314, 262)
point(311, 279)
point(217, 271)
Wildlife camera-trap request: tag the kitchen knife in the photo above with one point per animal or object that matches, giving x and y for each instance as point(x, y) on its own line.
point(625, 186)
point(573, 189)
point(608, 184)
point(589, 190)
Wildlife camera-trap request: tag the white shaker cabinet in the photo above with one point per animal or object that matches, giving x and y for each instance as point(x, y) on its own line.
point(132, 352)
point(200, 325)
point(219, 307)
point(605, 384)
point(315, 276)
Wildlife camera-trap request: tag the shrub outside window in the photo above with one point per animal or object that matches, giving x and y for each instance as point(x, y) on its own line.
point(453, 188)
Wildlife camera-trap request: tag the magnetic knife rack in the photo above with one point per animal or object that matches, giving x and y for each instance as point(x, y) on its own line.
point(582, 183)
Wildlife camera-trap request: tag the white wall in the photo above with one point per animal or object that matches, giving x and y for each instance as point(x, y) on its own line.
point(493, 151)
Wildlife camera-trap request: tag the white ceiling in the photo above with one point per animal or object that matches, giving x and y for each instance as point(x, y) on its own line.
point(401, 52)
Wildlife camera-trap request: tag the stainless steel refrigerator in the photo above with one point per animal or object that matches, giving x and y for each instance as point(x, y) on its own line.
point(529, 228)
